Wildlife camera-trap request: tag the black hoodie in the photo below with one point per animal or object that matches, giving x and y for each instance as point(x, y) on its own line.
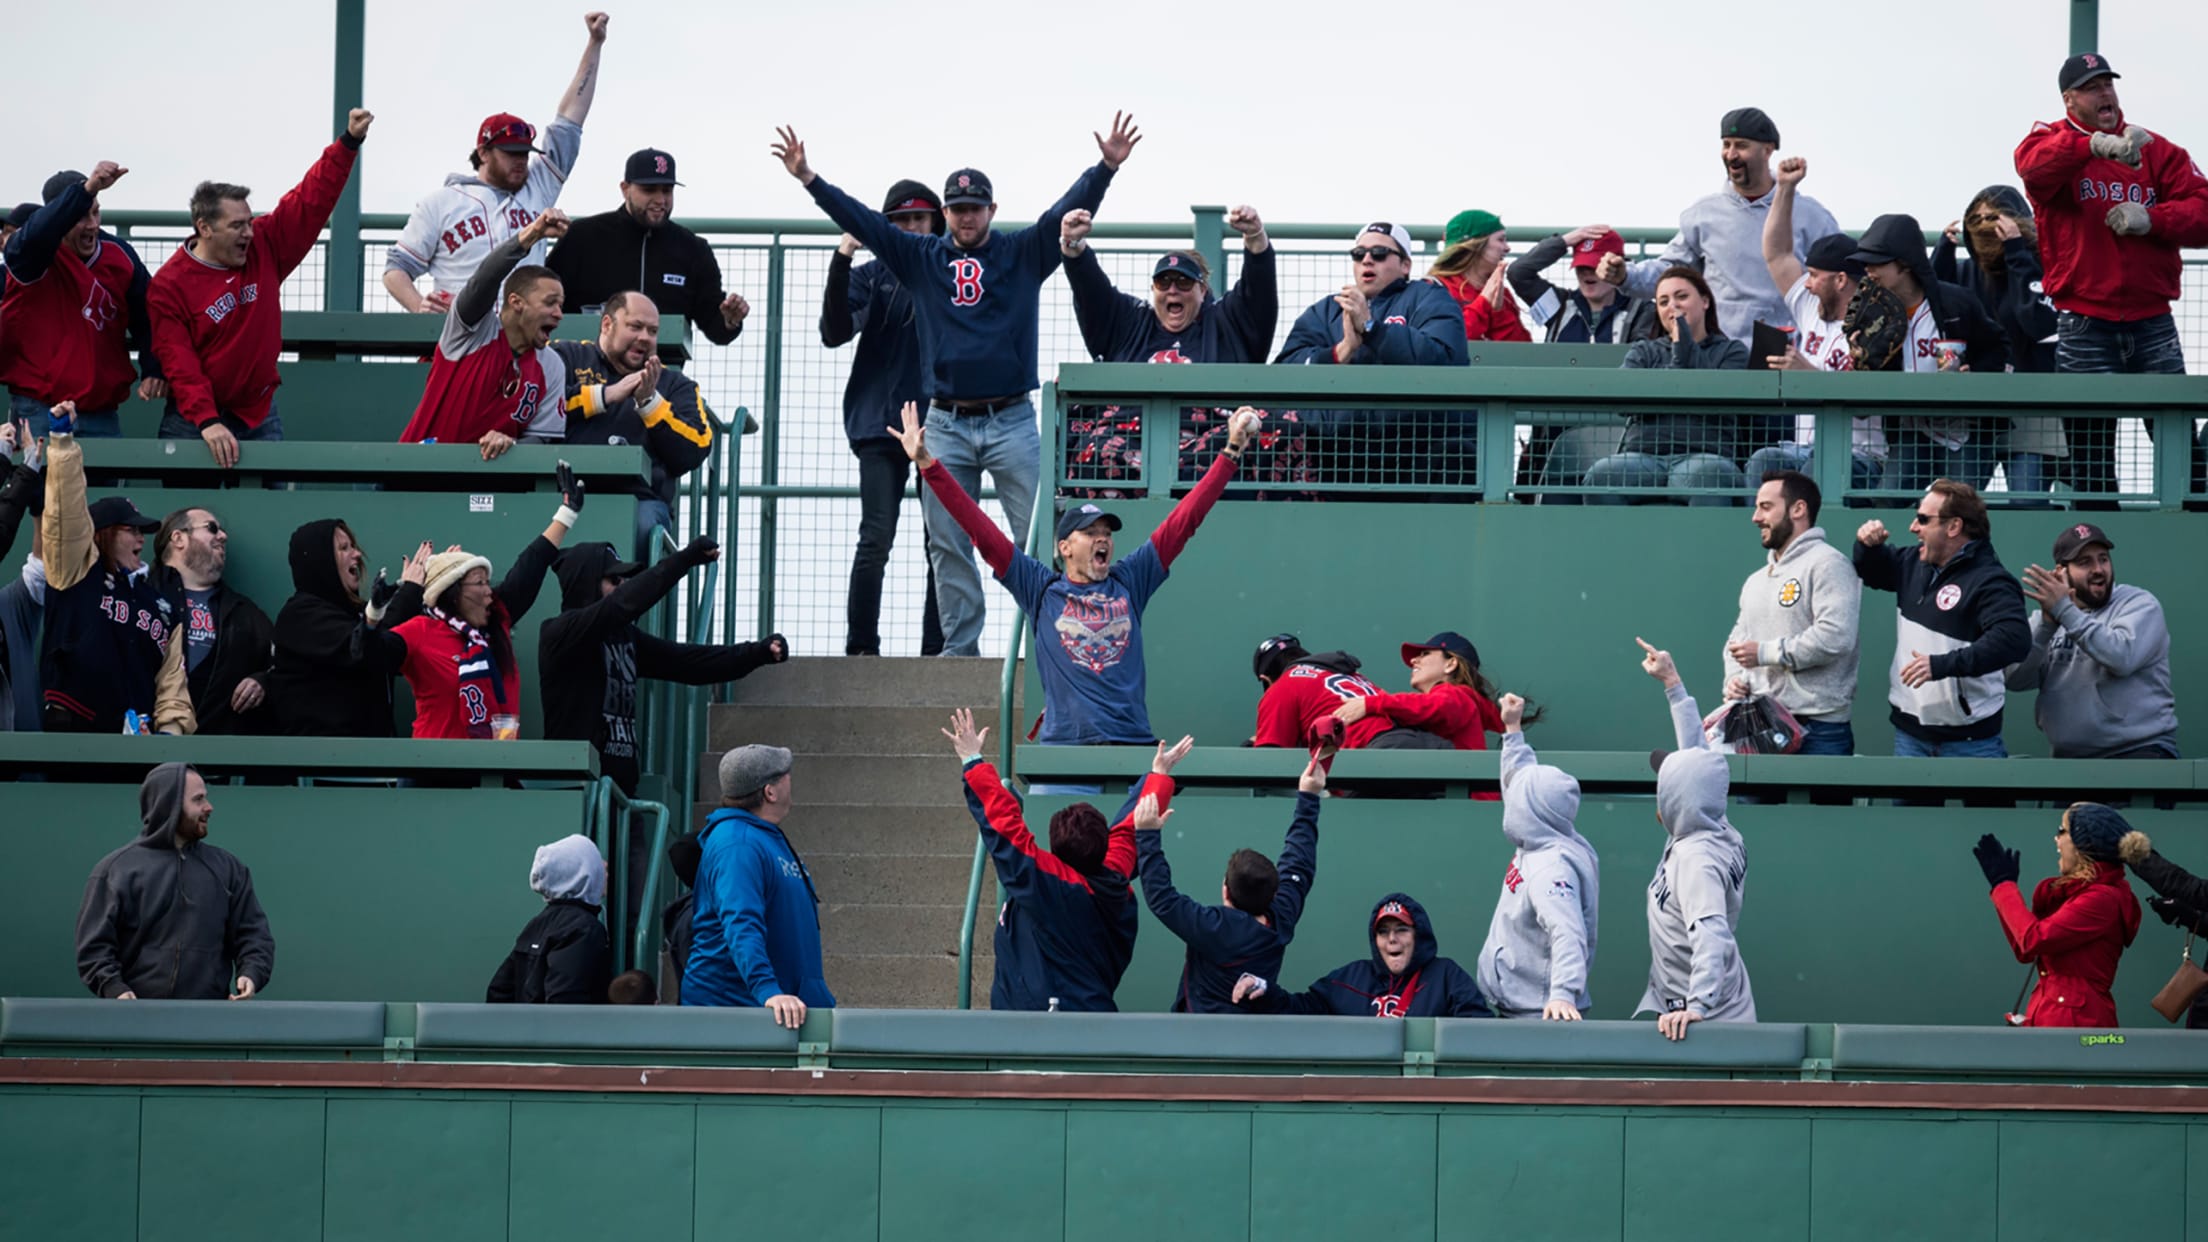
point(243, 640)
point(1433, 987)
point(1958, 312)
point(590, 657)
point(171, 923)
point(2014, 294)
point(323, 683)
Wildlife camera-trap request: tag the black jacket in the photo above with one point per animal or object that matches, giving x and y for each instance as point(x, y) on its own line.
point(590, 657)
point(1557, 309)
point(2026, 313)
point(677, 436)
point(1957, 311)
point(1433, 987)
point(1119, 327)
point(244, 641)
point(324, 684)
point(886, 369)
point(562, 957)
point(1968, 617)
point(23, 490)
point(611, 253)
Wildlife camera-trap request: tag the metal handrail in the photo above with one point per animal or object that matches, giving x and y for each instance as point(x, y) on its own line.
point(610, 811)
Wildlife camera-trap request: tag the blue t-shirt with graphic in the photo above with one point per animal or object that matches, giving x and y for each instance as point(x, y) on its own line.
point(1088, 647)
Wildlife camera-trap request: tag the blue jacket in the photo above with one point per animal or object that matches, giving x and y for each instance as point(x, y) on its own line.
point(1061, 934)
point(1119, 327)
point(756, 924)
point(1225, 943)
point(1414, 323)
point(867, 302)
point(978, 309)
point(1434, 987)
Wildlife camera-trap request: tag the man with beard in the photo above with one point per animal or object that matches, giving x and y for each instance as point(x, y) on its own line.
point(226, 636)
point(494, 379)
point(639, 246)
point(2100, 657)
point(1795, 637)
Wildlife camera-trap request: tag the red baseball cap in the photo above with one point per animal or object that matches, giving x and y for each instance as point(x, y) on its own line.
point(506, 132)
point(1589, 252)
point(1392, 910)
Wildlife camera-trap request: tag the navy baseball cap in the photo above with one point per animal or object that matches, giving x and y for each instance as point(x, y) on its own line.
point(1178, 264)
point(118, 511)
point(1082, 516)
point(968, 185)
point(22, 215)
point(2076, 539)
point(1834, 252)
point(2083, 68)
point(650, 166)
point(61, 181)
point(1448, 640)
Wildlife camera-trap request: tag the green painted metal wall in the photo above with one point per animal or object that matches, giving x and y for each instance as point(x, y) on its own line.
point(121, 1164)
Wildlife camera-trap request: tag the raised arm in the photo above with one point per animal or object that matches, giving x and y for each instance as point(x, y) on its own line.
point(583, 88)
point(31, 249)
point(844, 302)
point(1877, 563)
point(1778, 225)
point(65, 536)
point(1172, 535)
point(1298, 864)
point(994, 546)
point(1543, 300)
point(1109, 320)
point(1252, 307)
point(1686, 718)
point(298, 219)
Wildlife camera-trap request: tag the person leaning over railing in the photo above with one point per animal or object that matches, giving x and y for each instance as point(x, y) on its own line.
point(2100, 657)
point(1450, 700)
point(494, 379)
point(327, 679)
point(1540, 945)
point(1677, 450)
point(2080, 921)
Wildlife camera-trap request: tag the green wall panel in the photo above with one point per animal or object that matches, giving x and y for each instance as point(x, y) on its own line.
point(1531, 1176)
point(961, 1171)
point(1875, 1179)
point(1147, 1171)
point(244, 1168)
point(2196, 1183)
point(2125, 1181)
point(756, 1161)
point(585, 1171)
point(1318, 1174)
point(415, 1168)
point(67, 1167)
point(1708, 1177)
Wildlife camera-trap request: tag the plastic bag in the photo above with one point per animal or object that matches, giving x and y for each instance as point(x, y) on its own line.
point(1760, 725)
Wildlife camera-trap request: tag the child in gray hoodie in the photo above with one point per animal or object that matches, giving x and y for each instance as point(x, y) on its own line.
point(1695, 972)
point(1541, 943)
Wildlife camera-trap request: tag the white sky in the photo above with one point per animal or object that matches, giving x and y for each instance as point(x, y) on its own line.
point(1311, 112)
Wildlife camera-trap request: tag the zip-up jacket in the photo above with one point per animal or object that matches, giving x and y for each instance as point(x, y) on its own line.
point(1482, 321)
point(1541, 943)
point(1565, 316)
point(2103, 675)
point(1225, 943)
point(1694, 900)
point(1968, 616)
point(562, 957)
point(1430, 987)
point(1120, 327)
point(2092, 270)
point(611, 253)
point(756, 922)
point(869, 302)
point(1414, 323)
point(72, 322)
point(671, 422)
point(2076, 934)
point(1803, 609)
point(244, 644)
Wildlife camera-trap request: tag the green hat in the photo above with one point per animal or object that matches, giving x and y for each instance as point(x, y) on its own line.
point(1466, 225)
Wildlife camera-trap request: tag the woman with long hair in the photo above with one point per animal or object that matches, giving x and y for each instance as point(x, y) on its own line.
point(1449, 698)
point(1471, 268)
point(1678, 449)
point(2081, 918)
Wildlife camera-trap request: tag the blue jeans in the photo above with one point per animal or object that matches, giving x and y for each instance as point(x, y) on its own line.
point(2027, 474)
point(174, 426)
point(1909, 746)
point(1827, 737)
point(651, 514)
point(2085, 345)
point(1863, 472)
point(1915, 460)
point(1626, 471)
point(1006, 445)
point(91, 424)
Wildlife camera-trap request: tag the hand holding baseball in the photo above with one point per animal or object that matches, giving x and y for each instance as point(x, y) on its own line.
point(1242, 427)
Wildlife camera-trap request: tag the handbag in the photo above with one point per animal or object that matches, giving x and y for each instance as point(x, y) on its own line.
point(2176, 996)
point(1761, 725)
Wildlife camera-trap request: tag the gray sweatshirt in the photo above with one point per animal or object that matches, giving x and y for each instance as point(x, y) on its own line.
point(2103, 675)
point(1722, 233)
point(1802, 609)
point(1694, 900)
point(1541, 942)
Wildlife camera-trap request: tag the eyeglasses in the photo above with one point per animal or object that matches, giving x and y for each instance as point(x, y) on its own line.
point(1378, 254)
point(1179, 284)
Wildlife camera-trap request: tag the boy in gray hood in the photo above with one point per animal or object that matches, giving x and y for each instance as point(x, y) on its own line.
point(169, 916)
point(1695, 973)
point(1541, 943)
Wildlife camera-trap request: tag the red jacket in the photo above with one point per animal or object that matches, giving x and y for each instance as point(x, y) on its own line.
point(68, 331)
point(1483, 322)
point(1459, 713)
point(2075, 933)
point(1305, 695)
point(217, 330)
point(459, 688)
point(2091, 270)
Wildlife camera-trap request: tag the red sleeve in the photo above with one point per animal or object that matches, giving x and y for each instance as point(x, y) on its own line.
point(1505, 323)
point(2050, 157)
point(988, 540)
point(1172, 534)
point(1119, 848)
point(189, 386)
point(292, 227)
point(1003, 811)
point(2086, 917)
point(1436, 711)
point(2180, 213)
point(1278, 721)
point(1491, 717)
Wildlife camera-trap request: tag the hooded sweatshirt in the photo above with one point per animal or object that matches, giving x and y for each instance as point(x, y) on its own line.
point(2016, 294)
point(1694, 899)
point(563, 956)
point(2091, 270)
point(1949, 312)
point(756, 920)
point(1430, 987)
point(325, 683)
point(1803, 609)
point(1225, 943)
point(1541, 943)
point(169, 922)
point(1968, 616)
point(2103, 675)
point(456, 226)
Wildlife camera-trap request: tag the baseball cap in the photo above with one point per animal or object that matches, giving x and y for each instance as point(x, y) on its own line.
point(2083, 68)
point(1401, 235)
point(909, 195)
point(118, 511)
point(1448, 640)
point(2076, 539)
point(1590, 252)
point(1393, 910)
point(61, 181)
point(1178, 264)
point(22, 214)
point(1753, 124)
point(1081, 516)
point(1466, 225)
point(650, 166)
point(1273, 653)
point(1834, 252)
point(506, 132)
point(968, 185)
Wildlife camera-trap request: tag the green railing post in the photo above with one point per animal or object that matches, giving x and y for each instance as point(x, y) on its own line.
point(1834, 472)
point(1210, 239)
point(770, 430)
point(341, 281)
point(1496, 451)
point(2085, 26)
point(2173, 457)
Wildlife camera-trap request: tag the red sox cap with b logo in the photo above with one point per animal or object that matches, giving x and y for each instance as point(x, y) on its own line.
point(650, 166)
point(1589, 253)
point(506, 132)
point(1393, 910)
point(2076, 539)
point(2083, 68)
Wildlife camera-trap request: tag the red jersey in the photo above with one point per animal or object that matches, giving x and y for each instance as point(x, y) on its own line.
point(2091, 270)
point(488, 388)
point(217, 330)
point(68, 329)
point(1306, 694)
point(459, 690)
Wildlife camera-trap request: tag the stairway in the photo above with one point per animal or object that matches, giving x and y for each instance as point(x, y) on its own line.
point(877, 812)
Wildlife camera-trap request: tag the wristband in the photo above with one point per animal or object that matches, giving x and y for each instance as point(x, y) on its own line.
point(566, 516)
point(969, 761)
point(1233, 451)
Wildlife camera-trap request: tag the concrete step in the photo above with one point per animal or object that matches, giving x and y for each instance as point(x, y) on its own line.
point(903, 980)
point(924, 929)
point(830, 828)
point(893, 879)
point(823, 729)
point(891, 780)
point(871, 681)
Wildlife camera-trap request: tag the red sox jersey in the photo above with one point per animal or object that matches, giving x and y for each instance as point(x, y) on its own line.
point(478, 384)
point(453, 230)
point(1306, 694)
point(1825, 343)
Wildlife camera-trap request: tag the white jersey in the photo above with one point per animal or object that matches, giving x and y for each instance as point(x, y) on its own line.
point(1825, 343)
point(453, 230)
point(1918, 354)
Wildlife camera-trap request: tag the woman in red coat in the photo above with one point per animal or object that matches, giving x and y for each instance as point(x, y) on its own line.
point(1471, 268)
point(1449, 698)
point(2080, 921)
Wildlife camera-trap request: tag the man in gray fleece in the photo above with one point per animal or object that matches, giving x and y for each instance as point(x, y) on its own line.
point(2100, 657)
point(1795, 637)
point(1541, 943)
point(169, 916)
point(1695, 973)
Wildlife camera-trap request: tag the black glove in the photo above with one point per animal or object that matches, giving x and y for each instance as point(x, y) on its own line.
point(2177, 914)
point(702, 549)
point(778, 648)
point(379, 595)
point(2000, 865)
point(571, 488)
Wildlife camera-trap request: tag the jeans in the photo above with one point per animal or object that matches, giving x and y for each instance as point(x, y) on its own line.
point(1006, 445)
point(174, 426)
point(1626, 471)
point(651, 514)
point(1827, 737)
point(2027, 474)
point(1863, 472)
point(2085, 345)
point(1909, 746)
point(883, 472)
point(1915, 460)
point(91, 424)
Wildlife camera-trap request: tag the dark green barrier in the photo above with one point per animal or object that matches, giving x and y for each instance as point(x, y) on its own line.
point(340, 334)
point(346, 399)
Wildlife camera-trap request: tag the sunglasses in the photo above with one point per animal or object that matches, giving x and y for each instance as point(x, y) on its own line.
point(1926, 519)
point(1179, 284)
point(212, 528)
point(1378, 254)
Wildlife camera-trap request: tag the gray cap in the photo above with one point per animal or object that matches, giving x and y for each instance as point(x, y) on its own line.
point(748, 769)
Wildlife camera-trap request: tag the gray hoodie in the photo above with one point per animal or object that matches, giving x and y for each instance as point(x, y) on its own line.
point(570, 867)
point(2103, 675)
point(1541, 943)
point(1802, 609)
point(1694, 899)
point(167, 922)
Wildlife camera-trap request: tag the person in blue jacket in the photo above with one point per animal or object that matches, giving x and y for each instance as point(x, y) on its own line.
point(1402, 979)
point(756, 921)
point(1381, 318)
point(1260, 902)
point(1066, 930)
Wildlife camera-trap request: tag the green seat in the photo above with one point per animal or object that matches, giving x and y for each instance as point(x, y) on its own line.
point(26, 1021)
point(1114, 1036)
point(1940, 1051)
point(1468, 1042)
point(599, 1028)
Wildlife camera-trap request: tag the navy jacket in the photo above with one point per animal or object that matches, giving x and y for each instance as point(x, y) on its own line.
point(867, 302)
point(1414, 323)
point(978, 309)
point(1120, 327)
point(1225, 943)
point(1061, 934)
point(1434, 987)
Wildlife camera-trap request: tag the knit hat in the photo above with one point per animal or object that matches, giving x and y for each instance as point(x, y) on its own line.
point(2097, 831)
point(1466, 225)
point(446, 569)
point(748, 769)
point(570, 867)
